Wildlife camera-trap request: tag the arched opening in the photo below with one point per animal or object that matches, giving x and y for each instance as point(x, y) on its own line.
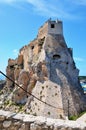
point(56, 57)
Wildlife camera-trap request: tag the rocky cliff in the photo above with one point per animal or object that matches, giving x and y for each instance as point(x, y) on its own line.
point(46, 69)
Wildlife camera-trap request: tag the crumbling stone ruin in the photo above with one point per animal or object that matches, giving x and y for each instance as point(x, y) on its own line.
point(17, 121)
point(46, 69)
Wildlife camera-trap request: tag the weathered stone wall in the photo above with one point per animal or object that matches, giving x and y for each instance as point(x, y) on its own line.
point(57, 27)
point(43, 31)
point(58, 84)
point(13, 121)
point(48, 29)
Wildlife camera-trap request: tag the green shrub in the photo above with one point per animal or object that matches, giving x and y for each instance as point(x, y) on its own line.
point(6, 102)
point(76, 117)
point(48, 113)
point(73, 118)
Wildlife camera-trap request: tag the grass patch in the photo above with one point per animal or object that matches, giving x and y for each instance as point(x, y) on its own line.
point(9, 103)
point(6, 102)
point(76, 117)
point(82, 114)
point(20, 107)
point(73, 118)
point(1, 92)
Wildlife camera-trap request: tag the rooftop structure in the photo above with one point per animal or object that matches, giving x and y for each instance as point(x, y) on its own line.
point(51, 27)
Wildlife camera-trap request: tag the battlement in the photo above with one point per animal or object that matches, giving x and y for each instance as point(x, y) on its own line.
point(51, 27)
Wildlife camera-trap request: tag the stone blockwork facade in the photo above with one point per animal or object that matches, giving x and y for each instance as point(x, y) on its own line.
point(14, 121)
point(45, 68)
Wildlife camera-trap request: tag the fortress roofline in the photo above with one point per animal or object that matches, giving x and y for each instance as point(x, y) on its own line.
point(50, 27)
point(57, 20)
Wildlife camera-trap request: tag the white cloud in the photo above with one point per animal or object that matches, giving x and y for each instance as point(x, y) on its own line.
point(43, 7)
point(11, 1)
point(79, 2)
point(15, 52)
point(78, 59)
point(49, 8)
point(7, 1)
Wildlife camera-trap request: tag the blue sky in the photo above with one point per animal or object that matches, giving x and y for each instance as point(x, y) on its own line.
point(20, 20)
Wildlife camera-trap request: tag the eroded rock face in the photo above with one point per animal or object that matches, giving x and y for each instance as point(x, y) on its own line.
point(58, 82)
point(45, 68)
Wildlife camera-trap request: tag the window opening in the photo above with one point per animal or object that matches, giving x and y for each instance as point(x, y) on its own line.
point(56, 56)
point(52, 25)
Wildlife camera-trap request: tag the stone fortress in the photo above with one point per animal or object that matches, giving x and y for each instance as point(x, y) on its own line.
point(46, 69)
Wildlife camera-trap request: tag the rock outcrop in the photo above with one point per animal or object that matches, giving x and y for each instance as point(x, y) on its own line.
point(46, 69)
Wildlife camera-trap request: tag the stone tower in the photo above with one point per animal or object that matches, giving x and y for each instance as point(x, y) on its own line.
point(57, 83)
point(52, 75)
point(50, 27)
